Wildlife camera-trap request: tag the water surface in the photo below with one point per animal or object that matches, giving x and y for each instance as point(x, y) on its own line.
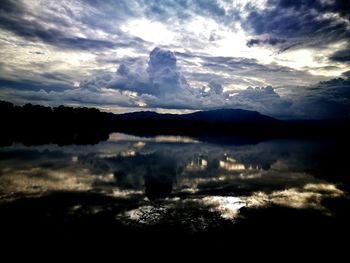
point(178, 185)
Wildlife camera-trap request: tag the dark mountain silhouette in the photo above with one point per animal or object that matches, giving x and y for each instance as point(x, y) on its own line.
point(203, 124)
point(212, 116)
point(230, 115)
point(35, 124)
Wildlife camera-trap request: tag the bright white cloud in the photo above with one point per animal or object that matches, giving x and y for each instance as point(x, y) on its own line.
point(152, 31)
point(162, 85)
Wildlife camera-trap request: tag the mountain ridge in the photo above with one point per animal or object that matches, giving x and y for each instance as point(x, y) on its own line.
point(212, 116)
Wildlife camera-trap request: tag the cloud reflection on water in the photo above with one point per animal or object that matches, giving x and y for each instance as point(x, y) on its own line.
point(172, 172)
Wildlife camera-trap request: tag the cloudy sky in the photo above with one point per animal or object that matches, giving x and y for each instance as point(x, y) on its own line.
point(284, 58)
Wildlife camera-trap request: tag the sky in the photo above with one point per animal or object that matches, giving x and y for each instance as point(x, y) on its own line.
point(284, 58)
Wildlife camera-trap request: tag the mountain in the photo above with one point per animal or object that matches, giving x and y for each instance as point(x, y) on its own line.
point(236, 122)
point(230, 116)
point(219, 116)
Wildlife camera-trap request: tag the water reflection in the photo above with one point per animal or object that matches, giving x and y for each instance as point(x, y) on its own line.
point(168, 178)
point(230, 164)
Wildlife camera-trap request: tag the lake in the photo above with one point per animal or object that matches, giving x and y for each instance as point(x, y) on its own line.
point(132, 188)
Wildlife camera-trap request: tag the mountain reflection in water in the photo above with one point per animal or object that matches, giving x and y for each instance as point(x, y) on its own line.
point(172, 182)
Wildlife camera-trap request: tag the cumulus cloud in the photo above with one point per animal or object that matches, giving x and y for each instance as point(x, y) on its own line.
point(161, 77)
point(161, 84)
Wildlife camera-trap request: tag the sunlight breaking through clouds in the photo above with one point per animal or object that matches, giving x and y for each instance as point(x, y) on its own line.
point(54, 58)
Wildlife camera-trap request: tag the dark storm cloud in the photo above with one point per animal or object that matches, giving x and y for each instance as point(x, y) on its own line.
point(341, 55)
point(10, 6)
point(269, 41)
point(13, 18)
point(27, 84)
point(34, 31)
point(313, 23)
point(327, 99)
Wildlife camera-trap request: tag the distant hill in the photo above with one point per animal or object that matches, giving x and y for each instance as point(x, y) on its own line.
point(230, 115)
point(221, 121)
point(212, 116)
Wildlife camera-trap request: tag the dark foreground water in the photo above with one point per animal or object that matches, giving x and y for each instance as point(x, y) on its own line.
point(153, 191)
